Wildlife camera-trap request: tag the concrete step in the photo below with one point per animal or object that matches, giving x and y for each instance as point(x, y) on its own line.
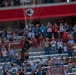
point(33, 49)
point(46, 56)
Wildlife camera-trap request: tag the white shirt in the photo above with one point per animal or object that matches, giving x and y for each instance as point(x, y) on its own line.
point(31, 34)
point(4, 53)
point(60, 44)
point(42, 61)
point(53, 43)
point(65, 49)
point(74, 48)
point(61, 28)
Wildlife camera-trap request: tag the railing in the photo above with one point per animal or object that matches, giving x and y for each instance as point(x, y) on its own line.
point(14, 45)
point(31, 2)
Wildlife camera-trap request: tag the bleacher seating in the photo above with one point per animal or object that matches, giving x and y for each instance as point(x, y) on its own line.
point(36, 56)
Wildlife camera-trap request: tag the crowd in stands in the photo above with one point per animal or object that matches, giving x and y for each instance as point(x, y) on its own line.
point(56, 39)
point(17, 67)
point(7, 3)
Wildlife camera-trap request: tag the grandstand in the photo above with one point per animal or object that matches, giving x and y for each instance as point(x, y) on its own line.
point(37, 37)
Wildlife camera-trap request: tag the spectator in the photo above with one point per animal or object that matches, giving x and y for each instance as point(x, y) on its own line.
point(65, 50)
point(34, 66)
point(12, 3)
point(12, 58)
point(66, 60)
point(37, 30)
point(61, 61)
point(33, 72)
point(55, 30)
point(53, 46)
point(74, 47)
point(43, 30)
point(60, 46)
point(73, 59)
point(74, 29)
point(31, 61)
point(49, 62)
point(7, 72)
point(26, 44)
point(35, 43)
point(6, 4)
point(14, 36)
point(70, 49)
point(61, 29)
point(39, 71)
point(70, 68)
point(39, 1)
point(22, 2)
point(11, 51)
point(4, 54)
point(49, 30)
point(44, 71)
point(9, 30)
point(3, 35)
point(31, 34)
point(46, 46)
point(5, 40)
point(9, 34)
point(55, 61)
point(74, 62)
point(70, 60)
point(14, 69)
point(17, 2)
point(26, 55)
point(33, 27)
point(21, 72)
point(70, 35)
point(65, 37)
point(5, 67)
point(18, 60)
point(41, 62)
point(66, 27)
point(40, 39)
point(22, 56)
point(28, 68)
point(71, 41)
point(33, 1)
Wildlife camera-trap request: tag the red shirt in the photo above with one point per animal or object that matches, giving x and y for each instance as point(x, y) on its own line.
point(64, 35)
point(40, 39)
point(55, 29)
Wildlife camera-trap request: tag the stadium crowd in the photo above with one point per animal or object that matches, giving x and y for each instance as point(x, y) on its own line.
point(7, 3)
point(56, 39)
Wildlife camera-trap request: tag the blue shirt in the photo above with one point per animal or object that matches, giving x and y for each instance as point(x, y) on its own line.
point(42, 29)
point(71, 41)
point(5, 66)
point(74, 28)
point(11, 52)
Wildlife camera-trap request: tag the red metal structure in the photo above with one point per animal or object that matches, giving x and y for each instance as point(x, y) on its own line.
point(46, 11)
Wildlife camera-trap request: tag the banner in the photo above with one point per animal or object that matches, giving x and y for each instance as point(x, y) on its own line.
point(56, 70)
point(37, 12)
